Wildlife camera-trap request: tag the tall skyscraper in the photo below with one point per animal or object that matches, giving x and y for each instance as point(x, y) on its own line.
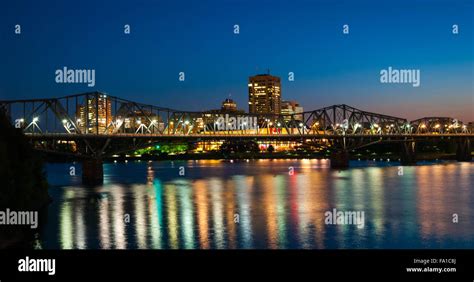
point(96, 115)
point(264, 94)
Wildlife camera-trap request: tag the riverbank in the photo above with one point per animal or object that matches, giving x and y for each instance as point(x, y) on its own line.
point(24, 186)
point(262, 155)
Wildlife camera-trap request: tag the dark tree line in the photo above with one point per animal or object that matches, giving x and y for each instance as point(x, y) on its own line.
point(23, 184)
point(239, 146)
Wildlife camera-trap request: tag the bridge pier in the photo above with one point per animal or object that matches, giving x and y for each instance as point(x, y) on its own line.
point(408, 153)
point(463, 150)
point(92, 172)
point(340, 159)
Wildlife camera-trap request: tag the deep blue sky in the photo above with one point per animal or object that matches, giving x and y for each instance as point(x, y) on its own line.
point(304, 37)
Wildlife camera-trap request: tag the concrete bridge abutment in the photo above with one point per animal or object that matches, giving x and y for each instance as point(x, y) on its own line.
point(92, 171)
point(408, 153)
point(340, 159)
point(463, 150)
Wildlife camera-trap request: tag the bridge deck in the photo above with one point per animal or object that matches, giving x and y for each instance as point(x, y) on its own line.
point(67, 136)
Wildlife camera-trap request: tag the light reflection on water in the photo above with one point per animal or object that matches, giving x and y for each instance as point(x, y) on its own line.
point(220, 205)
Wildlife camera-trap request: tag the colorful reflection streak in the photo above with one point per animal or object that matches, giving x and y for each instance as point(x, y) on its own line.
point(259, 204)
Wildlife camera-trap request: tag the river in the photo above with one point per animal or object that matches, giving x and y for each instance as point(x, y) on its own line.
point(260, 204)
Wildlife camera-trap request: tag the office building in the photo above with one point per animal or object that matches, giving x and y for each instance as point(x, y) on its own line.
point(96, 115)
point(291, 108)
point(264, 94)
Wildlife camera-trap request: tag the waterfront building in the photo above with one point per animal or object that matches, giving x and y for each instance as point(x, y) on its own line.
point(291, 108)
point(141, 121)
point(96, 115)
point(264, 94)
point(229, 105)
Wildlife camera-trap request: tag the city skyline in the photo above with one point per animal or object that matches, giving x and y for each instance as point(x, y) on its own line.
point(318, 128)
point(304, 38)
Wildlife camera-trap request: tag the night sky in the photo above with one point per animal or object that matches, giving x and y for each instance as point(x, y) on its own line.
point(197, 37)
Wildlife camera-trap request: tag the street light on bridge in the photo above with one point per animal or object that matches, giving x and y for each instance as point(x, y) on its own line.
point(34, 124)
point(357, 125)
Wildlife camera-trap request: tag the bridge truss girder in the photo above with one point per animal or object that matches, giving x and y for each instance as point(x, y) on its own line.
point(98, 114)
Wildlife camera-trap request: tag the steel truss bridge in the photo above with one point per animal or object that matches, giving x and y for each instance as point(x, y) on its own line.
point(95, 125)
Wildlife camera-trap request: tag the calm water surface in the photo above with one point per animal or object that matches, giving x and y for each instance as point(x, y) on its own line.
point(150, 206)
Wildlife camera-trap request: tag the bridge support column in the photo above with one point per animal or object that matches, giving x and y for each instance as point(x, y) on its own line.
point(408, 153)
point(340, 159)
point(92, 172)
point(463, 150)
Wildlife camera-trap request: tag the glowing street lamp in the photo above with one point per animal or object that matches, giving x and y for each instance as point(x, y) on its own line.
point(34, 124)
point(142, 127)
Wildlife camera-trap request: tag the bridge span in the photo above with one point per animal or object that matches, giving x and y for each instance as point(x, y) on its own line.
point(97, 126)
